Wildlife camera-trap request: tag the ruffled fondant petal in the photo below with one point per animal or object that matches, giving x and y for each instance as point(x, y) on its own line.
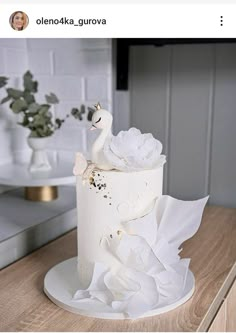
point(133, 151)
point(149, 271)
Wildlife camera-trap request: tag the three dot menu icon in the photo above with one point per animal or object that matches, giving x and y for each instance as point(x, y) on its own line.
point(221, 20)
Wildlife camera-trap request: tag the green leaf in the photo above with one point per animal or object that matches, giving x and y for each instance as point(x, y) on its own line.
point(44, 131)
point(43, 111)
point(29, 84)
point(76, 113)
point(29, 98)
point(59, 122)
point(14, 93)
point(52, 99)
point(5, 99)
point(33, 134)
point(25, 122)
point(34, 107)
point(19, 105)
point(3, 81)
point(39, 121)
point(90, 113)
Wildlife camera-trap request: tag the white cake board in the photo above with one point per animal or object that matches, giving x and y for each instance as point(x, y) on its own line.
point(61, 283)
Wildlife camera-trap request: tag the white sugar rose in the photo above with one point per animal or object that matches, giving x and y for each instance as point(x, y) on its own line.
point(133, 151)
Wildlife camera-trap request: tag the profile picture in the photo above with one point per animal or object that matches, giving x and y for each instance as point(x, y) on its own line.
point(19, 20)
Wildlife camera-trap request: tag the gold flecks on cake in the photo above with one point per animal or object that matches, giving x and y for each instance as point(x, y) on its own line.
point(96, 181)
point(91, 180)
point(119, 233)
point(101, 186)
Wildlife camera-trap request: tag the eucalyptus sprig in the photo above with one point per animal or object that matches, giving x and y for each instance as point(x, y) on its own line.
point(78, 113)
point(37, 117)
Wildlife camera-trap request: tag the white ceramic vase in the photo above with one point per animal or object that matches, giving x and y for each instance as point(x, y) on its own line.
point(39, 159)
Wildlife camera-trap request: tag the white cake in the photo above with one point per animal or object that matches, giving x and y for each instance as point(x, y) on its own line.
point(129, 234)
point(105, 202)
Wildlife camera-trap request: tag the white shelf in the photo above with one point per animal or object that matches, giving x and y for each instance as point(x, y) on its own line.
point(18, 175)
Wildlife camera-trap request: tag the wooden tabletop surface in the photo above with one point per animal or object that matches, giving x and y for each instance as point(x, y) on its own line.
point(24, 306)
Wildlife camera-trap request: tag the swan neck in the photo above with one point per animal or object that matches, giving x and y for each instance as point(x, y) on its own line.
point(99, 143)
point(106, 132)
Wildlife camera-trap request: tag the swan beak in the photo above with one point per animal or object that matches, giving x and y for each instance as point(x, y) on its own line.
point(92, 128)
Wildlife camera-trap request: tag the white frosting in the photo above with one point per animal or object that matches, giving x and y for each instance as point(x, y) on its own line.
point(105, 202)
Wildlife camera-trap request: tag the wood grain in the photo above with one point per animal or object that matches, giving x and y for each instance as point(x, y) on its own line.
point(219, 323)
point(220, 297)
point(231, 310)
point(225, 320)
point(24, 306)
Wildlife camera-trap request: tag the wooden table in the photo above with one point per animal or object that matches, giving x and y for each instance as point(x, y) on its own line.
point(24, 306)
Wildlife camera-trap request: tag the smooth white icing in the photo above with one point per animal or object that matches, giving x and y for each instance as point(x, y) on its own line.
point(104, 204)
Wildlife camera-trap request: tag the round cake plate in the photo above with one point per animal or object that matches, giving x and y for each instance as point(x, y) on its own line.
point(61, 282)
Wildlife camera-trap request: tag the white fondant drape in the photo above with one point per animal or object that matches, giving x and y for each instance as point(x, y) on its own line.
point(148, 271)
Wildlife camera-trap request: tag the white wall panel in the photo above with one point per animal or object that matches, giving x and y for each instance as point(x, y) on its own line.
point(149, 92)
point(186, 96)
point(223, 163)
point(191, 74)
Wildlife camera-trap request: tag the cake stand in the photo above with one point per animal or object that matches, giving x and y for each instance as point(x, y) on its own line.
point(61, 282)
point(39, 186)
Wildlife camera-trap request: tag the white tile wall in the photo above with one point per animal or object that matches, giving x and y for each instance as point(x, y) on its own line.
point(97, 88)
point(16, 61)
point(82, 62)
point(77, 70)
point(69, 44)
point(66, 88)
point(41, 62)
point(13, 43)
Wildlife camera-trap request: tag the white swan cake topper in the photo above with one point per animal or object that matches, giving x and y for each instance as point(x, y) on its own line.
point(128, 151)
